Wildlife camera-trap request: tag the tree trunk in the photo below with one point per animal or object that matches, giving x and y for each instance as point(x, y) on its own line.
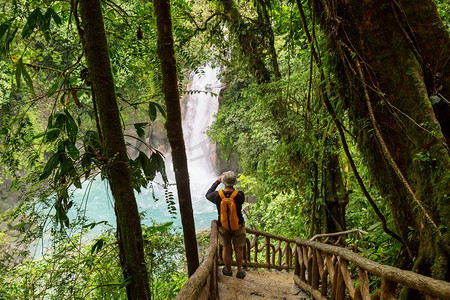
point(264, 19)
point(312, 227)
point(385, 79)
point(128, 221)
point(174, 128)
point(247, 40)
point(336, 196)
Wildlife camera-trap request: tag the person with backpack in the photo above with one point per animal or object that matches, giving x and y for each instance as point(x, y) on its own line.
point(231, 222)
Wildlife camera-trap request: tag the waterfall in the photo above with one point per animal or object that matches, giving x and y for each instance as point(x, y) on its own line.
point(199, 106)
point(198, 113)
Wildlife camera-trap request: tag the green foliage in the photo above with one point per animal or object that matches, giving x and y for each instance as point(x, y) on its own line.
point(50, 143)
point(443, 7)
point(76, 270)
point(278, 131)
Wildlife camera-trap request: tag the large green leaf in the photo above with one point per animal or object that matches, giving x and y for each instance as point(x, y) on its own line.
point(55, 86)
point(50, 166)
point(28, 80)
point(97, 246)
point(10, 34)
point(60, 120)
point(72, 150)
point(5, 26)
point(157, 162)
point(153, 106)
point(146, 165)
point(140, 129)
point(61, 207)
point(55, 16)
point(33, 21)
point(19, 67)
point(66, 166)
point(52, 134)
point(152, 111)
point(71, 127)
point(55, 126)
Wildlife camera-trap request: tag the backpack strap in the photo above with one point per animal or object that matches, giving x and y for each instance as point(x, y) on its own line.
point(222, 195)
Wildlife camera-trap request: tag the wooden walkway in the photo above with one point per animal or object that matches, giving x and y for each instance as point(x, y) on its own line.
point(324, 271)
point(260, 285)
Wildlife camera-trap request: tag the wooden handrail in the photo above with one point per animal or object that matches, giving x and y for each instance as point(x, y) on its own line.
point(203, 283)
point(269, 254)
point(319, 268)
point(358, 231)
point(335, 266)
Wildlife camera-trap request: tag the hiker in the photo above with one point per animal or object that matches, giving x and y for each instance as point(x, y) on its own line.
point(227, 235)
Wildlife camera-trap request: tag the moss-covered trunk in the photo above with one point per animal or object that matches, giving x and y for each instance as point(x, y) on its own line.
point(249, 41)
point(174, 128)
point(385, 80)
point(128, 222)
point(335, 194)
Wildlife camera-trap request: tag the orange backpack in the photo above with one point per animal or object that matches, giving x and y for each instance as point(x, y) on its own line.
point(228, 213)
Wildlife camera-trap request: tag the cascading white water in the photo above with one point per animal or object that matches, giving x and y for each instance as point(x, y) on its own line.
point(199, 111)
point(200, 106)
point(199, 115)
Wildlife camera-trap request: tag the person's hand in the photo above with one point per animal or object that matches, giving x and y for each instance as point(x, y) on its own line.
point(220, 177)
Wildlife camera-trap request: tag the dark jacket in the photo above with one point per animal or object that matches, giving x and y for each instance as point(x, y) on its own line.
point(213, 196)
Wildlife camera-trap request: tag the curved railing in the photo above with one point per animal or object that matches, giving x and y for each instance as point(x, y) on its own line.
point(325, 271)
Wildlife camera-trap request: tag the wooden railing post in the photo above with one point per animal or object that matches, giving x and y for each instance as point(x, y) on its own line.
point(289, 256)
point(268, 252)
point(213, 286)
point(324, 283)
point(296, 261)
point(343, 265)
point(301, 262)
point(247, 252)
point(280, 254)
point(338, 290)
point(256, 247)
point(310, 269)
point(387, 289)
point(314, 272)
point(362, 291)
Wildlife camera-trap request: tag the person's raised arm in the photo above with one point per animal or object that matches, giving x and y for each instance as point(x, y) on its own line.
point(210, 195)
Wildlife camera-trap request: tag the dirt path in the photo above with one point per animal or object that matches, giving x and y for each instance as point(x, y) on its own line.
point(260, 285)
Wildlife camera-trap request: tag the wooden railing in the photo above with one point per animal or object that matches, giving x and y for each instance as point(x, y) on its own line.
point(338, 238)
point(203, 284)
point(325, 271)
point(333, 272)
point(267, 251)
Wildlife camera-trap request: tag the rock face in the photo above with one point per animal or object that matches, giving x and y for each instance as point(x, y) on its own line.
point(8, 198)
